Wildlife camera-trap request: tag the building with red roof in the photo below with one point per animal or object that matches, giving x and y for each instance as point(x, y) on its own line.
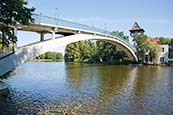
point(164, 54)
point(154, 41)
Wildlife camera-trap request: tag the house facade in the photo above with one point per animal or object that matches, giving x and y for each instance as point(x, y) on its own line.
point(164, 55)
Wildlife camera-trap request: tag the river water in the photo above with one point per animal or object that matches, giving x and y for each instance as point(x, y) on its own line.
point(83, 89)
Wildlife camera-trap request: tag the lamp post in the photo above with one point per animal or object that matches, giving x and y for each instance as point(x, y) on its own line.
point(56, 13)
point(105, 27)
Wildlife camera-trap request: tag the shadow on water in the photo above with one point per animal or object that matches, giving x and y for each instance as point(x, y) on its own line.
point(4, 91)
point(4, 88)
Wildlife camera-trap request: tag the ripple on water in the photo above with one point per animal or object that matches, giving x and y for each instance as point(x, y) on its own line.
point(57, 88)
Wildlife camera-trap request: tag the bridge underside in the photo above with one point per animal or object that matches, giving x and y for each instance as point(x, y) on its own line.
point(47, 29)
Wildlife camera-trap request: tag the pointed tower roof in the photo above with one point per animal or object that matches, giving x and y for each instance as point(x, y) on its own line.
point(136, 28)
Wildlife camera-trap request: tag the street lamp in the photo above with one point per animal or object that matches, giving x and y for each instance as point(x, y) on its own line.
point(105, 27)
point(56, 13)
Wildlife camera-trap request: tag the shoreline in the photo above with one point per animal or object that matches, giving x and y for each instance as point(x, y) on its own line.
point(47, 60)
point(130, 64)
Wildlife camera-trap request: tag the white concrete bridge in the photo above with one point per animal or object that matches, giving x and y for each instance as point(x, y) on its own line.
point(72, 32)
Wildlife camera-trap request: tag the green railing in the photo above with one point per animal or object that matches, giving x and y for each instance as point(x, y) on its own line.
point(64, 23)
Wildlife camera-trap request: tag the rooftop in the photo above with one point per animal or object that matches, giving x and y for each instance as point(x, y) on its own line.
point(136, 27)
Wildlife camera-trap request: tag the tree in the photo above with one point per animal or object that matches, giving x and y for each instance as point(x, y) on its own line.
point(121, 34)
point(59, 56)
point(54, 56)
point(146, 46)
point(141, 41)
point(72, 52)
point(96, 52)
point(89, 51)
point(155, 52)
point(109, 53)
point(82, 51)
point(11, 13)
point(164, 41)
point(51, 55)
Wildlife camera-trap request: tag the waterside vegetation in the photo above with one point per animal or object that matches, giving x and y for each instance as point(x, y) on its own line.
point(49, 57)
point(96, 52)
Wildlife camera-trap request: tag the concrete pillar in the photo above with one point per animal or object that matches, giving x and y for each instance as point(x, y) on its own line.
point(53, 35)
point(42, 37)
point(15, 44)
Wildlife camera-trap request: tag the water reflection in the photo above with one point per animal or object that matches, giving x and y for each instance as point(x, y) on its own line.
point(68, 88)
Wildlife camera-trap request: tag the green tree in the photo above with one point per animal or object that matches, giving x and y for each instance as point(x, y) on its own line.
point(72, 52)
point(11, 13)
point(155, 52)
point(82, 51)
point(96, 52)
point(59, 56)
point(42, 56)
point(121, 34)
point(164, 41)
point(89, 51)
point(146, 46)
point(141, 41)
point(109, 53)
point(51, 55)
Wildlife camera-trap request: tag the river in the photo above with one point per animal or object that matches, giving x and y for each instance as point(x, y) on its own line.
point(84, 89)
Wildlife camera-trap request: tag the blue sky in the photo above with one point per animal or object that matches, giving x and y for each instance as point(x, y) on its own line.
point(155, 16)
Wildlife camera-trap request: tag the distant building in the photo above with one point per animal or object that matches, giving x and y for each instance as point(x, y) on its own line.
point(164, 54)
point(136, 30)
point(154, 41)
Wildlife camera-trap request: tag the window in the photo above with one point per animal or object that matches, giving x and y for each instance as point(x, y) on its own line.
point(163, 49)
point(162, 59)
point(146, 58)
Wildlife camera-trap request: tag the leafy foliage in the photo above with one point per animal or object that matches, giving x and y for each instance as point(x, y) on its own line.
point(146, 46)
point(11, 13)
point(121, 34)
point(96, 52)
point(110, 54)
point(51, 55)
point(164, 41)
point(82, 51)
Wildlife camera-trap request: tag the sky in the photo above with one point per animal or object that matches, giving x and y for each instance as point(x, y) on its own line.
point(155, 16)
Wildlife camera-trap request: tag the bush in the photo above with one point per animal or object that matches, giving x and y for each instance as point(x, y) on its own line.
point(50, 55)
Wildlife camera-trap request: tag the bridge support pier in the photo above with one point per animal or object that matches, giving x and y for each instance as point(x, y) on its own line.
point(41, 36)
point(53, 35)
point(15, 44)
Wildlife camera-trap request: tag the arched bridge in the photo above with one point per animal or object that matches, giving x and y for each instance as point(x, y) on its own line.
point(72, 32)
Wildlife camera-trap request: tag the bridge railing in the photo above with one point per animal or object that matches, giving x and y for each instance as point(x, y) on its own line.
point(64, 23)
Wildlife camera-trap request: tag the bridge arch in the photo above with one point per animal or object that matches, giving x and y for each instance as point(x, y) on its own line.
point(130, 51)
point(31, 51)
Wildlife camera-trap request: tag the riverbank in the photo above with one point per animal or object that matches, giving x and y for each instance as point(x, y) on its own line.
point(130, 64)
point(47, 60)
